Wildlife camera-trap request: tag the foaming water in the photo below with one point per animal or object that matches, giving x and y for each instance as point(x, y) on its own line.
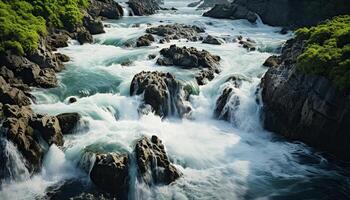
point(219, 159)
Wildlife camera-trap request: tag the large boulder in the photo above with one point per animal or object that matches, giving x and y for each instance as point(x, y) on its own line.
point(306, 107)
point(162, 91)
point(145, 40)
point(105, 8)
point(177, 31)
point(231, 11)
point(143, 7)
point(68, 122)
point(93, 25)
point(49, 129)
point(12, 95)
point(110, 172)
point(213, 40)
point(153, 163)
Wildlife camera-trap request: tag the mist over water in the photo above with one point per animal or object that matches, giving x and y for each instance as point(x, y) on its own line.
point(219, 159)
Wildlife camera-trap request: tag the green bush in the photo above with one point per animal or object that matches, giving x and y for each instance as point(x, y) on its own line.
point(327, 51)
point(22, 22)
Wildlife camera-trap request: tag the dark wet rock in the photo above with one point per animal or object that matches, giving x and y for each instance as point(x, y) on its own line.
point(12, 95)
point(144, 109)
point(152, 56)
point(162, 91)
point(7, 74)
point(272, 61)
point(126, 63)
point(84, 36)
point(189, 58)
point(72, 100)
point(204, 76)
point(213, 40)
point(284, 31)
point(231, 11)
point(93, 25)
point(153, 162)
point(58, 40)
point(195, 4)
point(49, 129)
point(211, 3)
point(145, 40)
point(62, 57)
point(105, 8)
point(306, 107)
point(176, 31)
point(68, 122)
point(144, 7)
point(249, 45)
point(110, 172)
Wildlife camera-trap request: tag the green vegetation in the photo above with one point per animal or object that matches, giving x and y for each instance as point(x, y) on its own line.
point(327, 50)
point(22, 22)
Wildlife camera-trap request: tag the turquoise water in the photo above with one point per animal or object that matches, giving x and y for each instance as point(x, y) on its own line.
point(219, 160)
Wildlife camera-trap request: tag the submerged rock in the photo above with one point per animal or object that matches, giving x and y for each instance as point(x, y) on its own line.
point(176, 31)
point(153, 163)
point(144, 7)
point(110, 172)
point(162, 91)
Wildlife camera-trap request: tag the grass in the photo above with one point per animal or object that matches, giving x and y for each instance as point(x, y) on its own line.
point(327, 51)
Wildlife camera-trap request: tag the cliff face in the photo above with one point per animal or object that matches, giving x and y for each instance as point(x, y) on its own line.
point(306, 107)
point(291, 13)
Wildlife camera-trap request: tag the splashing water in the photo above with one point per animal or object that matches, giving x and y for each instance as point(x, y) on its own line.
point(219, 160)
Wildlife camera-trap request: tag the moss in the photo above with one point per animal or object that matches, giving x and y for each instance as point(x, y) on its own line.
point(23, 22)
point(327, 51)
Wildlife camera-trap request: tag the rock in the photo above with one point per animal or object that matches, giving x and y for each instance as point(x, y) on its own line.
point(49, 128)
point(213, 40)
point(11, 95)
point(105, 8)
point(62, 57)
point(162, 91)
point(143, 7)
point(68, 122)
point(152, 56)
point(231, 11)
point(145, 40)
point(204, 77)
point(250, 46)
point(110, 172)
point(284, 31)
point(176, 31)
point(126, 63)
point(306, 107)
point(194, 4)
point(94, 26)
point(211, 3)
point(58, 40)
point(84, 36)
point(72, 100)
point(189, 58)
point(153, 162)
point(272, 61)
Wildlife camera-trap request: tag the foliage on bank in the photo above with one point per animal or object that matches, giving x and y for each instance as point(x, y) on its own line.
point(22, 22)
point(327, 50)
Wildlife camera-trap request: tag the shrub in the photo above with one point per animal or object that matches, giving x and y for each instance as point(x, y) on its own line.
point(327, 51)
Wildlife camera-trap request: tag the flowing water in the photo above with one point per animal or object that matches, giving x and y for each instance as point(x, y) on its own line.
point(219, 160)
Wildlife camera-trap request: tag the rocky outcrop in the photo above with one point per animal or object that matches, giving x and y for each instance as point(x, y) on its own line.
point(306, 107)
point(145, 40)
point(153, 163)
point(213, 40)
point(162, 91)
point(211, 3)
point(68, 122)
point(105, 8)
point(228, 102)
point(231, 11)
point(272, 61)
point(288, 13)
point(204, 76)
point(110, 172)
point(144, 7)
point(176, 31)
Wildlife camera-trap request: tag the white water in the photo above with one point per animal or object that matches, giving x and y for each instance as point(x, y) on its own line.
point(219, 160)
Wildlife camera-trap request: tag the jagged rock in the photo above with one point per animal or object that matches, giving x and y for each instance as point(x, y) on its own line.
point(110, 172)
point(272, 61)
point(11, 95)
point(143, 7)
point(250, 46)
point(231, 11)
point(176, 31)
point(159, 90)
point(204, 76)
point(213, 40)
point(189, 58)
point(145, 40)
point(105, 8)
point(68, 122)
point(62, 57)
point(49, 129)
point(94, 26)
point(153, 162)
point(211, 3)
point(58, 40)
point(84, 36)
point(306, 107)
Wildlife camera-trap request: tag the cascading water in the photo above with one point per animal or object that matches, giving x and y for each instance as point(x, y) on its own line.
point(218, 159)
